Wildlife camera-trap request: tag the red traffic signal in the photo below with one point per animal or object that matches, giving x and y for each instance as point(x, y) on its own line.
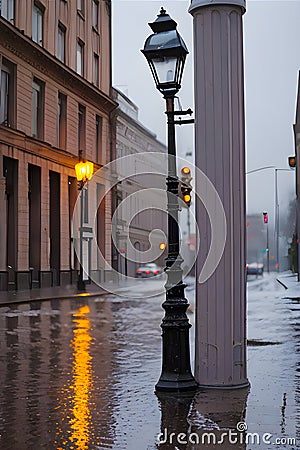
point(266, 219)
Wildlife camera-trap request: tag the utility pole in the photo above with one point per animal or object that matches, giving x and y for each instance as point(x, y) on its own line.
point(266, 221)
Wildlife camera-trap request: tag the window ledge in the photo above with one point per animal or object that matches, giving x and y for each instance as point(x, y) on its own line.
point(95, 30)
point(80, 13)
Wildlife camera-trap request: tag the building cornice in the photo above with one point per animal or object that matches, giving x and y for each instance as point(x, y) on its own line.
point(195, 4)
point(30, 145)
point(140, 126)
point(43, 61)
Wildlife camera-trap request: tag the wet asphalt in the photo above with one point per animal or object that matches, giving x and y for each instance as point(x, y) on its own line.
point(79, 373)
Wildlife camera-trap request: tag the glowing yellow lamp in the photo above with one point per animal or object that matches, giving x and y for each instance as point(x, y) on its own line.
point(162, 246)
point(186, 170)
point(84, 170)
point(187, 198)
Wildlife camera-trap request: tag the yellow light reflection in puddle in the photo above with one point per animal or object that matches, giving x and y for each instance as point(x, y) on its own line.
point(82, 380)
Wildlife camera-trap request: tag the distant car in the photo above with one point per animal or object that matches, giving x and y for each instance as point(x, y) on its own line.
point(255, 269)
point(149, 270)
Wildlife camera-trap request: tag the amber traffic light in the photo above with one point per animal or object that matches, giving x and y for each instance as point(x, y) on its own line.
point(185, 185)
point(292, 161)
point(185, 170)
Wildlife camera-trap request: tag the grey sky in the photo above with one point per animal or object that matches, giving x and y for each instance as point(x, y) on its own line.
point(272, 61)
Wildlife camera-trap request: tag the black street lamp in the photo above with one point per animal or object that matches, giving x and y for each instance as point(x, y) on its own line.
point(165, 52)
point(84, 172)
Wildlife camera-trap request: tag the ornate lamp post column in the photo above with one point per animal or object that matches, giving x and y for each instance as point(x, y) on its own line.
point(165, 52)
point(84, 172)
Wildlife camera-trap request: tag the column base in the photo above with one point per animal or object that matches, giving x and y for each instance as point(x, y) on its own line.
point(244, 385)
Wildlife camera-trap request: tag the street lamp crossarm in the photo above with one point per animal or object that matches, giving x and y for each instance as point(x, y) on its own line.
point(181, 112)
point(184, 122)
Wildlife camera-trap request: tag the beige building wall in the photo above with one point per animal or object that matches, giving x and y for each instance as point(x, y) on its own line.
point(132, 138)
point(27, 61)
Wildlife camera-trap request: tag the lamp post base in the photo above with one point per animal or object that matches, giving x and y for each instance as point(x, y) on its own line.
point(176, 375)
point(185, 385)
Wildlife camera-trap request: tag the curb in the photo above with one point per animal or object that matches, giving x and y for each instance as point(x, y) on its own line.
point(53, 297)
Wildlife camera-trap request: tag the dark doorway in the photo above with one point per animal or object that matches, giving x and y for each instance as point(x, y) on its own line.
point(34, 197)
point(101, 226)
point(10, 169)
point(73, 195)
point(54, 179)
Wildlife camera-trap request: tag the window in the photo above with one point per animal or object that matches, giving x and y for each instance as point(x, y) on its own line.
point(62, 120)
point(96, 70)
point(98, 138)
point(95, 12)
point(81, 129)
point(7, 93)
point(7, 8)
point(37, 108)
point(37, 24)
point(61, 43)
point(79, 59)
point(80, 6)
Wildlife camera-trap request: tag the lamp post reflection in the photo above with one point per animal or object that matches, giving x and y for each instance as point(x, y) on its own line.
point(207, 419)
point(82, 379)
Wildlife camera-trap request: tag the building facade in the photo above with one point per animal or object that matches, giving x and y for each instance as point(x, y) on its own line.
point(256, 239)
point(55, 107)
point(133, 140)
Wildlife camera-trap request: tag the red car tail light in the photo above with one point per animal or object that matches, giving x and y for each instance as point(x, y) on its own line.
point(147, 271)
point(156, 272)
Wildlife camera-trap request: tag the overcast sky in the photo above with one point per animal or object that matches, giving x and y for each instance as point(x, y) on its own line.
point(272, 62)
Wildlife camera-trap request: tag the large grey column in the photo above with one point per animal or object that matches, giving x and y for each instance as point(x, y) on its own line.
point(220, 359)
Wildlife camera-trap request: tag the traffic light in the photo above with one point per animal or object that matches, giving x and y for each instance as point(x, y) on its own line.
point(186, 174)
point(186, 194)
point(185, 185)
point(266, 219)
point(292, 161)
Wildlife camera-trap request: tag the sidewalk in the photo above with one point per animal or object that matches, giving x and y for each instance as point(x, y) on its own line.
point(291, 285)
point(92, 290)
point(57, 292)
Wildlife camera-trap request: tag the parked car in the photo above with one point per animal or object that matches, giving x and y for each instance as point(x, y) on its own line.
point(255, 269)
point(149, 270)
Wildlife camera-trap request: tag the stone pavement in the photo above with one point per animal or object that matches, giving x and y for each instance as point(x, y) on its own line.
point(118, 288)
point(57, 292)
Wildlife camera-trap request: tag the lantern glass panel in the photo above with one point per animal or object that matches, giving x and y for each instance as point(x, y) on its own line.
point(165, 68)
